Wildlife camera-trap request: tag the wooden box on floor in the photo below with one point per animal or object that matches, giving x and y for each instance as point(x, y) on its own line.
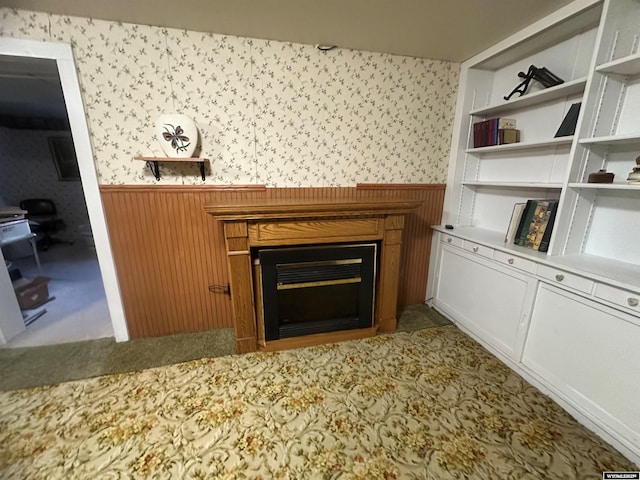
point(31, 294)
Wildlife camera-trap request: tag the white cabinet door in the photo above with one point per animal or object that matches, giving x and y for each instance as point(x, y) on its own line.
point(491, 301)
point(591, 354)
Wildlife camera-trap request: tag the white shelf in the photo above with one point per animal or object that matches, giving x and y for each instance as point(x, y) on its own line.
point(535, 185)
point(566, 89)
point(521, 146)
point(611, 140)
point(621, 274)
point(629, 65)
point(606, 186)
point(492, 239)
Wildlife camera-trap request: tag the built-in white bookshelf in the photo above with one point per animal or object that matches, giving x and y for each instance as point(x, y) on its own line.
point(604, 216)
point(585, 290)
point(485, 182)
point(598, 60)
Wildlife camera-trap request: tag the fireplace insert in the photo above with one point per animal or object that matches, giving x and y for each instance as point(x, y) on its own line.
point(307, 290)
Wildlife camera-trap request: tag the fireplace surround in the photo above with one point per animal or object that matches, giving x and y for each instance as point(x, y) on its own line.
point(251, 226)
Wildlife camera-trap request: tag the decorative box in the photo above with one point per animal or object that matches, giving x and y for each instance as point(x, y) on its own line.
point(31, 294)
point(601, 176)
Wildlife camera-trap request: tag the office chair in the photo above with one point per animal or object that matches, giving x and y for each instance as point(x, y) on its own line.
point(42, 215)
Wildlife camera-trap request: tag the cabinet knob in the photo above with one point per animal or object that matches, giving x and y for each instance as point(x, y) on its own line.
point(510, 261)
point(559, 277)
point(633, 302)
point(475, 249)
point(449, 240)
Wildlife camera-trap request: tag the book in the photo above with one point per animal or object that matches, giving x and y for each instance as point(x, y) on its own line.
point(486, 132)
point(518, 208)
point(543, 225)
point(493, 132)
point(481, 134)
point(568, 125)
point(536, 226)
point(498, 124)
point(506, 123)
point(525, 221)
point(508, 135)
point(477, 135)
point(546, 237)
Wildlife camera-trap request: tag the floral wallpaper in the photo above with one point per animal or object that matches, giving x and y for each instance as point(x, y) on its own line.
point(282, 114)
point(27, 171)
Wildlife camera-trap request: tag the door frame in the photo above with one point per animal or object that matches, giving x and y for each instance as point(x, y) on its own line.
point(62, 54)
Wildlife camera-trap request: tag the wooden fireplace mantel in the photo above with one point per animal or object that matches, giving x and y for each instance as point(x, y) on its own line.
point(261, 224)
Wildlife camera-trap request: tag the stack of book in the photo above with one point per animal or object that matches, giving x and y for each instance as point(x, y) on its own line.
point(495, 131)
point(531, 224)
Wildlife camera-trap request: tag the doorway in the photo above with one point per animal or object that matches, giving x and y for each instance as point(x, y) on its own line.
point(62, 56)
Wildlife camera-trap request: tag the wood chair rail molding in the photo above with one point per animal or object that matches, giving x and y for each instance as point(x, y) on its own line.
point(250, 224)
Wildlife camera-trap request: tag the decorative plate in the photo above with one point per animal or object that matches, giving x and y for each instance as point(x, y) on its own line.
point(177, 134)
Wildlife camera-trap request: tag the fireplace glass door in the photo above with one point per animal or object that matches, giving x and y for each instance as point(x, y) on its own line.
point(307, 290)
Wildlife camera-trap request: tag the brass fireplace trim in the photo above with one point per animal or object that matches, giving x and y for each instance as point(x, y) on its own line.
point(346, 261)
point(319, 283)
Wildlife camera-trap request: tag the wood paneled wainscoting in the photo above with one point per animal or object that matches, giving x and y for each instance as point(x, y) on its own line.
point(170, 254)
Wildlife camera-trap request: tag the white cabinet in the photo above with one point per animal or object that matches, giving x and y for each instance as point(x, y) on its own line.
point(590, 354)
point(580, 301)
point(572, 334)
point(489, 300)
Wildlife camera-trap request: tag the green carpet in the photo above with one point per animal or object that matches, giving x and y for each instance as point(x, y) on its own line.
point(36, 366)
point(430, 404)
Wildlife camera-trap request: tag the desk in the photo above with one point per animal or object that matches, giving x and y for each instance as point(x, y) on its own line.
point(31, 238)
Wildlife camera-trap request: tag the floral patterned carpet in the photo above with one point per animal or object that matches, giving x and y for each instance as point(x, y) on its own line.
point(431, 404)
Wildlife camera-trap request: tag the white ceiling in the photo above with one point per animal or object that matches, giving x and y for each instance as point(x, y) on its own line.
point(30, 87)
point(440, 29)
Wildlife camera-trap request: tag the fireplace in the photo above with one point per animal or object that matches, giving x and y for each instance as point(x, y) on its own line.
point(317, 226)
point(316, 289)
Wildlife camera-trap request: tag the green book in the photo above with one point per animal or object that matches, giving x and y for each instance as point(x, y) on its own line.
point(525, 221)
point(544, 243)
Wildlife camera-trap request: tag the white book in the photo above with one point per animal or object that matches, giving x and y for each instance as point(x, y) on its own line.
point(518, 208)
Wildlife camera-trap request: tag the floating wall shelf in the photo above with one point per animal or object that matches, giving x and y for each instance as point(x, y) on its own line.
point(152, 163)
